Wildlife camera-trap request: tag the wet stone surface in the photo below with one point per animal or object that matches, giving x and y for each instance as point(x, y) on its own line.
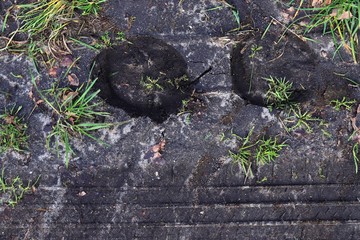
point(167, 173)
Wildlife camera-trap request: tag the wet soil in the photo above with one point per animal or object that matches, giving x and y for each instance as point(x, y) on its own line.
point(167, 173)
point(145, 77)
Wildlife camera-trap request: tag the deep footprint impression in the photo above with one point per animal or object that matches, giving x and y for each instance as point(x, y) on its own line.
point(144, 77)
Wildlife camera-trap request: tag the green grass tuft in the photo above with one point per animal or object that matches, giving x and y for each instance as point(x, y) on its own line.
point(343, 103)
point(340, 19)
point(279, 92)
point(253, 151)
point(268, 150)
point(12, 131)
point(47, 26)
point(13, 190)
point(74, 113)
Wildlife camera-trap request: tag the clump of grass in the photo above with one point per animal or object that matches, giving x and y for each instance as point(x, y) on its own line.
point(341, 19)
point(343, 103)
point(88, 7)
point(179, 81)
point(279, 92)
point(268, 150)
point(53, 15)
point(105, 41)
point(254, 151)
point(13, 190)
point(12, 131)
point(299, 119)
point(45, 23)
point(279, 95)
point(184, 107)
point(150, 84)
point(242, 156)
point(74, 112)
point(254, 50)
point(120, 36)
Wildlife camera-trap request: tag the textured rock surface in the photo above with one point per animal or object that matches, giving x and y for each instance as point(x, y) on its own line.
point(193, 191)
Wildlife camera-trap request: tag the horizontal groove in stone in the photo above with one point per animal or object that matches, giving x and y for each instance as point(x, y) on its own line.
point(340, 211)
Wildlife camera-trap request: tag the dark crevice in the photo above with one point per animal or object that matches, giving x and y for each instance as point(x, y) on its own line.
point(197, 79)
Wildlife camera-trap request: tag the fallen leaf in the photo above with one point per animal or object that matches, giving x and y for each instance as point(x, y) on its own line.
point(155, 151)
point(82, 193)
point(53, 72)
point(285, 16)
point(9, 119)
point(291, 10)
point(158, 148)
point(66, 61)
point(317, 3)
point(344, 15)
point(69, 95)
point(73, 80)
point(157, 155)
point(31, 95)
point(39, 102)
point(72, 120)
point(328, 2)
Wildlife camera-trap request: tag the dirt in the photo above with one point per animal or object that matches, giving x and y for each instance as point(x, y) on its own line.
point(294, 60)
point(167, 173)
point(145, 77)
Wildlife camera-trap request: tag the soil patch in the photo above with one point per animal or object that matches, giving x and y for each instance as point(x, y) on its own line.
point(314, 79)
point(145, 77)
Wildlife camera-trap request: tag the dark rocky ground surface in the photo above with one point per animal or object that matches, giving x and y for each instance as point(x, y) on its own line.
point(193, 190)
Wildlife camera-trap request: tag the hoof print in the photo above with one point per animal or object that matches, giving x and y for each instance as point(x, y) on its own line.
point(144, 77)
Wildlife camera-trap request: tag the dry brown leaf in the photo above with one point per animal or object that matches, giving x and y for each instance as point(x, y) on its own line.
point(66, 61)
point(82, 193)
point(344, 15)
point(328, 2)
point(162, 144)
point(72, 120)
point(31, 95)
point(9, 119)
point(291, 10)
point(39, 102)
point(159, 147)
point(155, 152)
point(69, 95)
point(286, 17)
point(73, 80)
point(53, 72)
point(317, 3)
point(157, 155)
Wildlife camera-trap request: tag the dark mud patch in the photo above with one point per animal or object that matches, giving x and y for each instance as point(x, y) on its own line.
point(144, 77)
point(313, 79)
